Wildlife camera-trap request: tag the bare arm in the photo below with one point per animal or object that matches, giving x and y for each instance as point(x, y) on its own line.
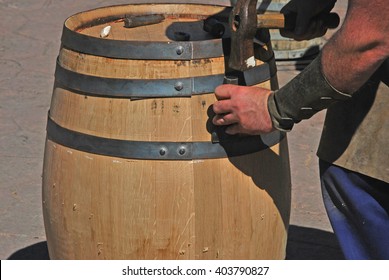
point(360, 46)
point(348, 60)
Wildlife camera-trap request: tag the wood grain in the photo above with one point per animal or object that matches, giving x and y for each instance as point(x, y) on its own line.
point(101, 207)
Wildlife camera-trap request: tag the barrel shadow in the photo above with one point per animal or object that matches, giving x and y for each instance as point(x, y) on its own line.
point(303, 244)
point(38, 251)
point(270, 172)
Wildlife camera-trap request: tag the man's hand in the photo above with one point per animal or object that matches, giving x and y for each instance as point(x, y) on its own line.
point(309, 16)
point(243, 109)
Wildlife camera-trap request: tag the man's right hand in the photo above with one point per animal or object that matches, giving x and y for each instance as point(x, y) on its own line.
point(309, 16)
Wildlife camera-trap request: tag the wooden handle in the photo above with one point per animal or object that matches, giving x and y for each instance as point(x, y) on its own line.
point(277, 20)
point(271, 20)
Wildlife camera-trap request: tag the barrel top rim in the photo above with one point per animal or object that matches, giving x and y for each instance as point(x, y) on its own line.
point(75, 40)
point(124, 13)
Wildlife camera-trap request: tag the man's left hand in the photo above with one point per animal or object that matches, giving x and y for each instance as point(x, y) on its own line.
point(243, 109)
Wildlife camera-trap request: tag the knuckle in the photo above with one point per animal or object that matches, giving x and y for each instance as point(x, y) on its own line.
point(215, 107)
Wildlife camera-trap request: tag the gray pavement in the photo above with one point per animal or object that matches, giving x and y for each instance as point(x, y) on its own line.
point(30, 41)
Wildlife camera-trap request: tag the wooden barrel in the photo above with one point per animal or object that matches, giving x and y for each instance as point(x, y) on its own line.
point(130, 171)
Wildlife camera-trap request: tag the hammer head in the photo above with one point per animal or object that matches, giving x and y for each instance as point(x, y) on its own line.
point(243, 25)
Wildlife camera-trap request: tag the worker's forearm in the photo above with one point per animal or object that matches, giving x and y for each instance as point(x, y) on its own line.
point(347, 61)
point(356, 51)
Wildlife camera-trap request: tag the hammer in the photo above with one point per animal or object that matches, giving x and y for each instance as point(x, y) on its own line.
point(243, 24)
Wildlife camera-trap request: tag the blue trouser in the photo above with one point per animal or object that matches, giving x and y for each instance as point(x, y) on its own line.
point(358, 209)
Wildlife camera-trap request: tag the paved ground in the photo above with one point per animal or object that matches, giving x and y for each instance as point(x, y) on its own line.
point(30, 32)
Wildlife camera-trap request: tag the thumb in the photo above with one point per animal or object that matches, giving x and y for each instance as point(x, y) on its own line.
point(224, 91)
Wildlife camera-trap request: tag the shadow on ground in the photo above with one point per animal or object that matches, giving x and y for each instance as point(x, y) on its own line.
point(312, 244)
point(36, 251)
point(303, 244)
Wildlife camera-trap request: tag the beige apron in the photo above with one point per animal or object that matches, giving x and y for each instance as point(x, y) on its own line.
point(356, 132)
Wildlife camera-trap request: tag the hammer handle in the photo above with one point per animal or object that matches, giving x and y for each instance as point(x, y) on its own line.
point(271, 21)
point(281, 21)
